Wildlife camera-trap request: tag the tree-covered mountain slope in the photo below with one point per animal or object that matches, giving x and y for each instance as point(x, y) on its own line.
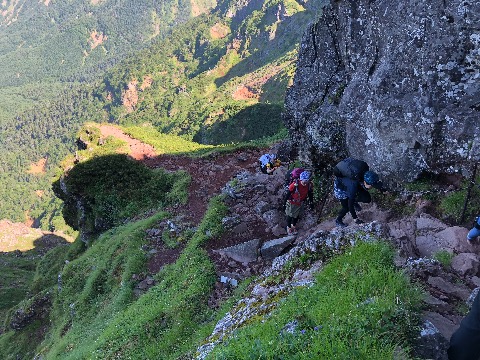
point(219, 78)
point(224, 81)
point(59, 40)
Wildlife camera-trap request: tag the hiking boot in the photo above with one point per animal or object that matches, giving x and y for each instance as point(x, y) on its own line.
point(357, 207)
point(294, 230)
point(340, 223)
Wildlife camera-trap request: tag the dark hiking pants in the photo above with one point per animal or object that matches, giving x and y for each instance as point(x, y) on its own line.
point(362, 196)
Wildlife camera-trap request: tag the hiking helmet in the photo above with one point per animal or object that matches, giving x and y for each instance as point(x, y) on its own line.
point(305, 176)
point(371, 178)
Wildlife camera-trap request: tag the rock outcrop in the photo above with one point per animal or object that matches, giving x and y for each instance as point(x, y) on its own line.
point(393, 83)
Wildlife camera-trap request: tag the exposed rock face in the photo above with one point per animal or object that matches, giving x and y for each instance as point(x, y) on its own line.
point(393, 83)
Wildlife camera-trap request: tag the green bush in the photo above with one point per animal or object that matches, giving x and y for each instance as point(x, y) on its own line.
point(444, 257)
point(453, 204)
point(114, 188)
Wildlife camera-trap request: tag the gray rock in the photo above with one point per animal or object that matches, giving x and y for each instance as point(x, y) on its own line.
point(445, 326)
point(466, 264)
point(271, 249)
point(427, 222)
point(273, 217)
point(240, 228)
point(244, 253)
point(393, 83)
point(460, 291)
point(230, 221)
point(261, 207)
point(455, 238)
point(431, 344)
point(430, 244)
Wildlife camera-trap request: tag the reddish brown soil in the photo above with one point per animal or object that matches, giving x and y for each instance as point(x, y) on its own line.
point(209, 176)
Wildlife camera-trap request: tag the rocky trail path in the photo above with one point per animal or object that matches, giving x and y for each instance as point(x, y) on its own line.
point(256, 218)
point(209, 176)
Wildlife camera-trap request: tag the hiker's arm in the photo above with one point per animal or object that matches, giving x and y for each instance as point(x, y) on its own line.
point(380, 186)
point(292, 186)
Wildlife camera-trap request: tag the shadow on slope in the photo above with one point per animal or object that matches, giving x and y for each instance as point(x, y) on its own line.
point(252, 123)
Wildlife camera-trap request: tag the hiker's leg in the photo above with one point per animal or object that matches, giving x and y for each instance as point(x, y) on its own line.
point(344, 210)
point(289, 221)
point(363, 196)
point(294, 221)
point(473, 233)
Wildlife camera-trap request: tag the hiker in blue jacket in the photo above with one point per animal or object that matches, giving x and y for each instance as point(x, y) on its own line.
point(269, 163)
point(475, 230)
point(353, 179)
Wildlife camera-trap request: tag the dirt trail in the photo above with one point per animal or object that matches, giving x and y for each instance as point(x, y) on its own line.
point(209, 176)
point(138, 150)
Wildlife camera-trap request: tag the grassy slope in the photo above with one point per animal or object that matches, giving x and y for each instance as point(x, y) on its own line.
point(97, 316)
point(360, 307)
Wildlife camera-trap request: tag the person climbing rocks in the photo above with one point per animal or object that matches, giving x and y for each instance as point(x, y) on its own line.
point(300, 191)
point(269, 163)
point(292, 175)
point(465, 341)
point(353, 179)
point(474, 231)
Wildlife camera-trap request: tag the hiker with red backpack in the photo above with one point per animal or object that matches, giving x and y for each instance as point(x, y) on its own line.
point(300, 191)
point(353, 179)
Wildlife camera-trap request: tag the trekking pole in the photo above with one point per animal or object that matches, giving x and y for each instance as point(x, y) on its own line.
point(469, 190)
point(324, 200)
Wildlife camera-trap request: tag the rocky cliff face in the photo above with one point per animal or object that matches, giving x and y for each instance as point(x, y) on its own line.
point(393, 83)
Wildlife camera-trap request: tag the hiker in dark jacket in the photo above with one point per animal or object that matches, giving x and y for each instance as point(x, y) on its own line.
point(465, 341)
point(353, 179)
point(299, 191)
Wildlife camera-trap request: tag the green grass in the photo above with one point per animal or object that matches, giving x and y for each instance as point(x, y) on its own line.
point(17, 277)
point(108, 322)
point(114, 188)
point(95, 314)
point(176, 145)
point(453, 203)
point(163, 143)
point(444, 257)
point(359, 308)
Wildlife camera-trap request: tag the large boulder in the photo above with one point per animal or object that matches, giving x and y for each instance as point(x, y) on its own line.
point(393, 83)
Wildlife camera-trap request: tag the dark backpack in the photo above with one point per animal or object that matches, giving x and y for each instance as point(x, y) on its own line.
point(293, 174)
point(351, 168)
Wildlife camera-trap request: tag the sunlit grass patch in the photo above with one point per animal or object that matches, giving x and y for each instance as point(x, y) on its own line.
point(359, 308)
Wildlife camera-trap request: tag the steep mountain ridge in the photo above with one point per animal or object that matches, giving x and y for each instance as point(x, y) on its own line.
point(76, 40)
point(219, 79)
point(237, 176)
